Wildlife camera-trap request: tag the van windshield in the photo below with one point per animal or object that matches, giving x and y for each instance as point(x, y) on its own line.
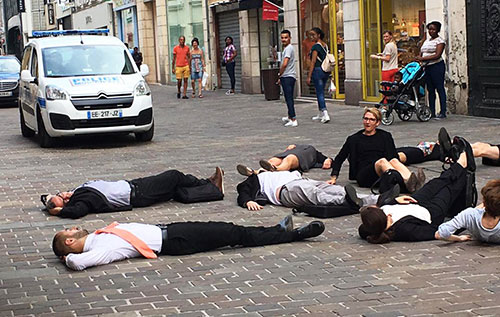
point(86, 60)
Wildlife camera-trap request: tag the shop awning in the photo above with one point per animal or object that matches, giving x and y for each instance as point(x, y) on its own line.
point(229, 5)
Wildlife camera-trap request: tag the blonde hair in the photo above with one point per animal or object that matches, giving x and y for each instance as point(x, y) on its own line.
point(374, 111)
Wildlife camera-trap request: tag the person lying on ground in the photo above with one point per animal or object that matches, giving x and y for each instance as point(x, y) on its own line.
point(371, 152)
point(482, 222)
point(295, 157)
point(100, 196)
point(417, 217)
point(79, 249)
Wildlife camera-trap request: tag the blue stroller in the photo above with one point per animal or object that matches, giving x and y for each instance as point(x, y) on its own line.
point(405, 97)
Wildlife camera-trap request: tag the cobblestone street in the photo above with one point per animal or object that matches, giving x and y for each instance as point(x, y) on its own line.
point(336, 273)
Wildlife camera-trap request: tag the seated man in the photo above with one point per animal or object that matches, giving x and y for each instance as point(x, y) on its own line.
point(482, 221)
point(289, 189)
point(79, 249)
point(103, 196)
point(295, 157)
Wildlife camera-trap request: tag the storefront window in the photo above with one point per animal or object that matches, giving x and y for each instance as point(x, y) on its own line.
point(269, 38)
point(339, 48)
point(128, 19)
point(313, 13)
point(184, 18)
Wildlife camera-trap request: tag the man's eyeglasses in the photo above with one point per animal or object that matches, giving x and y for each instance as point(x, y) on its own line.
point(369, 119)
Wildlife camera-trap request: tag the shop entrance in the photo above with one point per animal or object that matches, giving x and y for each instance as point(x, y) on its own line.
point(405, 19)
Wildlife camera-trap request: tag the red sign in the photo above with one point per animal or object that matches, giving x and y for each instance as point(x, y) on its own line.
point(269, 11)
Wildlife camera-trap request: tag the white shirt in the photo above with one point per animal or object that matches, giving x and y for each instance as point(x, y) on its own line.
point(391, 50)
point(105, 248)
point(430, 47)
point(401, 211)
point(271, 181)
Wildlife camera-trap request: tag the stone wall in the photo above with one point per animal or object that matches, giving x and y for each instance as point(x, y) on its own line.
point(352, 42)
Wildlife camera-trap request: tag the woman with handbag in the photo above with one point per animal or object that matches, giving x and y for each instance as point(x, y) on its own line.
point(230, 54)
point(319, 77)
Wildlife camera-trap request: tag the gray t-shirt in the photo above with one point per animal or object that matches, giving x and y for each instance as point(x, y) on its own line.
point(290, 70)
point(470, 219)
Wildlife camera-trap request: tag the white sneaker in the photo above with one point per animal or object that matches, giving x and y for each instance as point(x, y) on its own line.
point(325, 118)
point(285, 119)
point(229, 92)
point(291, 123)
point(318, 117)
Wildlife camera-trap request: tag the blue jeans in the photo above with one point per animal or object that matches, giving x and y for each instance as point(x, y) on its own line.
point(288, 84)
point(230, 71)
point(319, 78)
point(434, 80)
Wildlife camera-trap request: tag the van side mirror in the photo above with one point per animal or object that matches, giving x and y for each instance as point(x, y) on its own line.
point(26, 76)
point(144, 71)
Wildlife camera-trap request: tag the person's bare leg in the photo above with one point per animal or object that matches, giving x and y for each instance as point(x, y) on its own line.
point(402, 157)
point(179, 84)
point(401, 168)
point(275, 161)
point(194, 87)
point(185, 86)
point(481, 149)
point(462, 160)
point(200, 88)
point(382, 165)
point(290, 162)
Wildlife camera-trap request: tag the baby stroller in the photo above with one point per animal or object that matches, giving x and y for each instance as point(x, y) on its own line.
point(405, 97)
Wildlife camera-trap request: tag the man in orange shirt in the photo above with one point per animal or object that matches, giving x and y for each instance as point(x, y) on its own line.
point(180, 66)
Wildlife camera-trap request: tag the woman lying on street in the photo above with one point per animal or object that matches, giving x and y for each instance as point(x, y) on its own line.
point(371, 152)
point(417, 217)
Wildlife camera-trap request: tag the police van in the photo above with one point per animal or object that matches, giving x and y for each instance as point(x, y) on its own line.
point(82, 82)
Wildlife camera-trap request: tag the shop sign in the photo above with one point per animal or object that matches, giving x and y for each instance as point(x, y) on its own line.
point(269, 11)
point(21, 7)
point(122, 4)
point(50, 13)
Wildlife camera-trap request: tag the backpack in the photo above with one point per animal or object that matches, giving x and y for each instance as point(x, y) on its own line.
point(328, 63)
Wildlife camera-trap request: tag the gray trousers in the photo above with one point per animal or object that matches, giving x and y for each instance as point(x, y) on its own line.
point(301, 192)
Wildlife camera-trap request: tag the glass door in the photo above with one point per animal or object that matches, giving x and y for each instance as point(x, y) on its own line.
point(337, 46)
point(370, 44)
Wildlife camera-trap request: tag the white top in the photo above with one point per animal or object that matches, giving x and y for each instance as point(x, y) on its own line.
point(290, 70)
point(392, 50)
point(430, 47)
point(471, 219)
point(117, 193)
point(401, 211)
point(105, 248)
point(271, 181)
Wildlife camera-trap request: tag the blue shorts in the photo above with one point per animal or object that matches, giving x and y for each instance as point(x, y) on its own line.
point(195, 76)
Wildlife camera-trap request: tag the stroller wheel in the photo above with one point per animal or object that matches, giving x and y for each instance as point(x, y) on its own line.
point(387, 117)
point(423, 113)
point(405, 115)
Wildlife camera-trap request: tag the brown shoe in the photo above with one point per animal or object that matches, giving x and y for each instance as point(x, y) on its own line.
point(218, 179)
point(411, 183)
point(421, 178)
point(244, 170)
point(267, 166)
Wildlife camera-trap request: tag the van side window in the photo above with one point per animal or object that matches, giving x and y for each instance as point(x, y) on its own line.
point(26, 58)
point(34, 65)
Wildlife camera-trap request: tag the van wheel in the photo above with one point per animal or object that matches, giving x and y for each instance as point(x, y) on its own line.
point(25, 131)
point(147, 135)
point(44, 138)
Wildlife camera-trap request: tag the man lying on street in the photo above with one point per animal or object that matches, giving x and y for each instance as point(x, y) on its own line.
point(103, 196)
point(296, 157)
point(417, 217)
point(289, 189)
point(482, 222)
point(79, 249)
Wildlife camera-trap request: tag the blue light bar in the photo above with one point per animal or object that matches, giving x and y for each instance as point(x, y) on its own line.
point(70, 32)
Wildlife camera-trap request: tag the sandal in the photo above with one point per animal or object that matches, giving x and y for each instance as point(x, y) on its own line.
point(200, 96)
point(193, 95)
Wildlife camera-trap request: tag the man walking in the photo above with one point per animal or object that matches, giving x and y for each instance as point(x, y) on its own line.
point(287, 77)
point(78, 249)
point(100, 196)
point(180, 66)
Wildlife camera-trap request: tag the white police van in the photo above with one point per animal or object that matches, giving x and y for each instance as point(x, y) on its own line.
point(79, 82)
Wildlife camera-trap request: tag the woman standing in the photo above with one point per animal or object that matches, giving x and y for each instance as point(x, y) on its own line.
point(230, 54)
point(197, 63)
point(389, 57)
point(316, 73)
point(431, 52)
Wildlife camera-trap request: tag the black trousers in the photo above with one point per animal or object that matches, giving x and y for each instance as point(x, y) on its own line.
point(173, 184)
point(414, 155)
point(192, 237)
point(367, 175)
point(444, 195)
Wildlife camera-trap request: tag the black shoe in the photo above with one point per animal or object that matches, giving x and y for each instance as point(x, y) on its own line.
point(244, 170)
point(218, 179)
point(388, 197)
point(178, 95)
point(287, 223)
point(267, 166)
point(352, 198)
point(185, 97)
point(312, 229)
point(444, 144)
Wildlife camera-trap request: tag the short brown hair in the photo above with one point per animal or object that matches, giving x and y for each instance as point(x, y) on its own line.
point(374, 225)
point(374, 111)
point(59, 246)
point(491, 197)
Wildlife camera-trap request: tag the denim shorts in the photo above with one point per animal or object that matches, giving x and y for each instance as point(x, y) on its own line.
point(196, 75)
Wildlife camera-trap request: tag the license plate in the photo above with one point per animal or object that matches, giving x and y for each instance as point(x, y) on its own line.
point(102, 114)
point(5, 93)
